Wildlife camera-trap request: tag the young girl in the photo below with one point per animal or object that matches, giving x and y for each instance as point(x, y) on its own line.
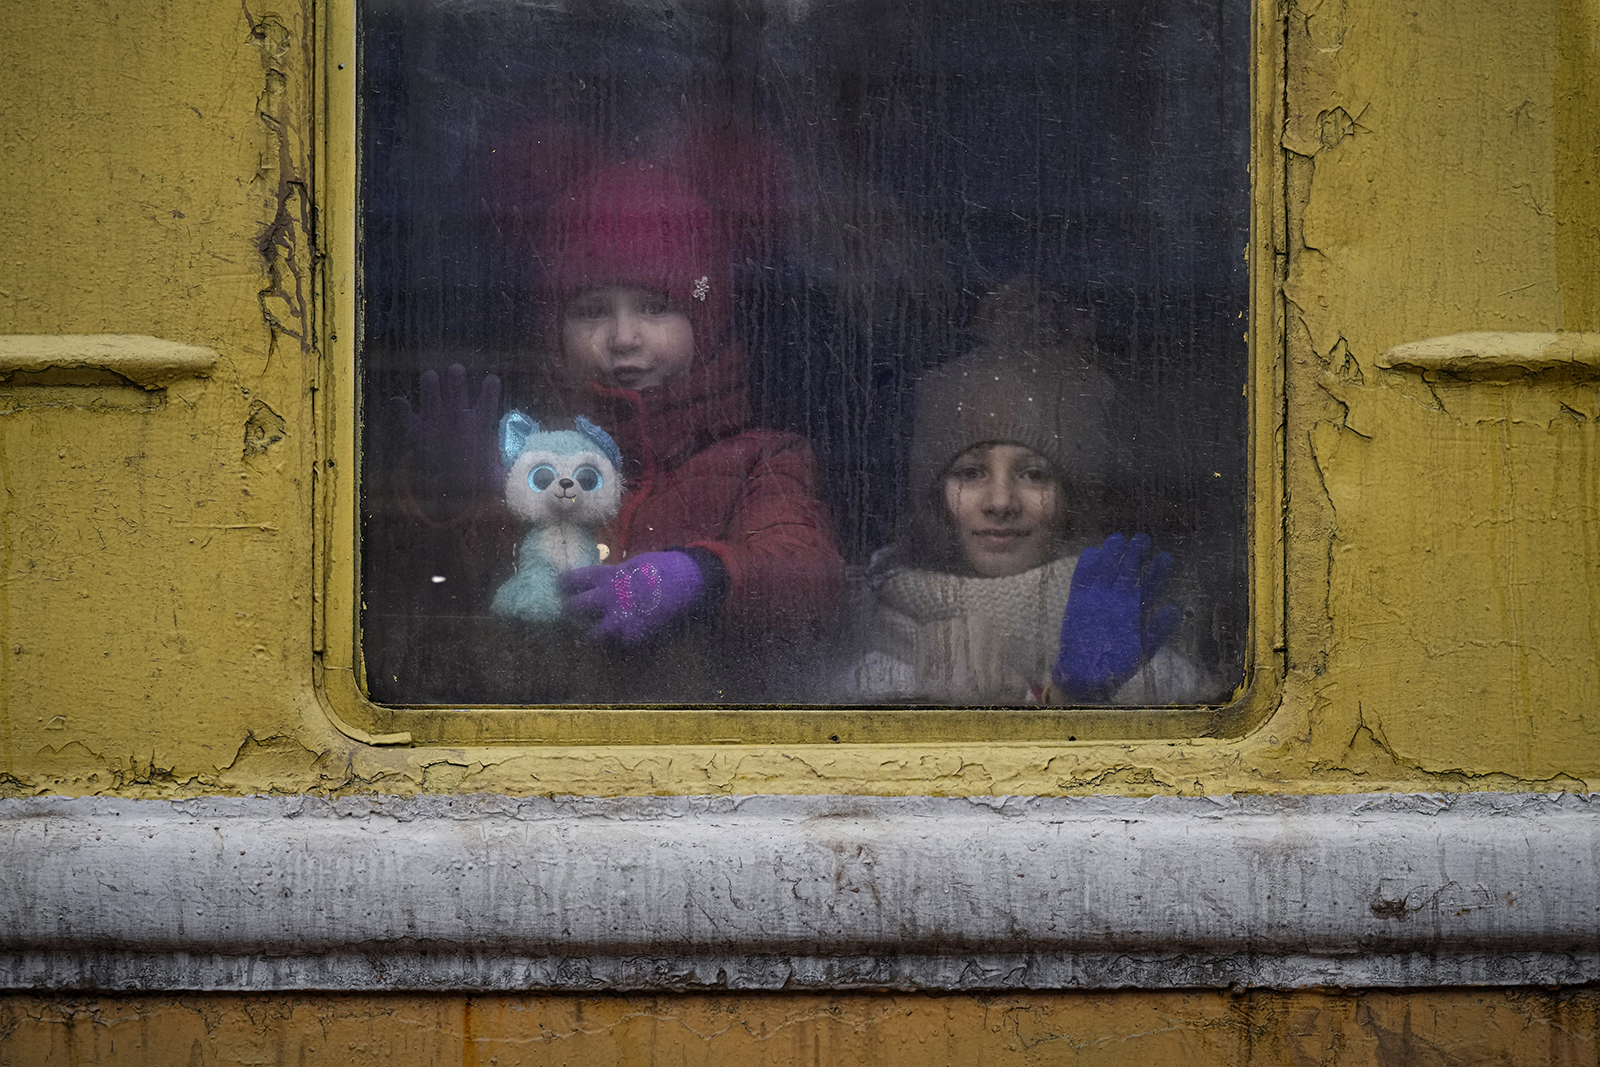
point(982, 600)
point(723, 552)
point(719, 518)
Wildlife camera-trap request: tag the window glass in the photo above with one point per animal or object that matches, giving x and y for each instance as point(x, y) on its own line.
point(780, 351)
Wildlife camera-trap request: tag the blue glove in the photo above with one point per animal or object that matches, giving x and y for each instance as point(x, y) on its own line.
point(1112, 626)
point(452, 443)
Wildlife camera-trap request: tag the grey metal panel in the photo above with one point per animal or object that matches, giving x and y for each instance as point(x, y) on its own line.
point(769, 892)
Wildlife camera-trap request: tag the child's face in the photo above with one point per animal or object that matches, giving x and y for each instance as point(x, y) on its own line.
point(625, 336)
point(1007, 508)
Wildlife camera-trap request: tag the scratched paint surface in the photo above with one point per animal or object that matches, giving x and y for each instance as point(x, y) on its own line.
point(1194, 1029)
point(1443, 539)
point(1442, 545)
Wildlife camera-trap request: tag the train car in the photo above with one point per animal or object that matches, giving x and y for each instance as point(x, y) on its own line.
point(283, 784)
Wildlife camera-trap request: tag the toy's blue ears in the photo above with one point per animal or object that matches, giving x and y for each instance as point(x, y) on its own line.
point(602, 441)
point(515, 429)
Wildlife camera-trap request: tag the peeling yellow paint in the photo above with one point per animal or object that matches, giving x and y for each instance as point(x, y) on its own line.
point(1193, 1029)
point(1440, 539)
point(1577, 163)
point(1440, 536)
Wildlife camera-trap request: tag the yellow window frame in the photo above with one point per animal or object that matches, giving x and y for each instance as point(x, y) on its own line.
point(336, 402)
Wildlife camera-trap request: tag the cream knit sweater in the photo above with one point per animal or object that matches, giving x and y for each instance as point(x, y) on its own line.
point(946, 638)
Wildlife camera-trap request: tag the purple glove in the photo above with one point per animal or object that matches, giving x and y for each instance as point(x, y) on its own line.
point(1112, 626)
point(636, 600)
point(452, 444)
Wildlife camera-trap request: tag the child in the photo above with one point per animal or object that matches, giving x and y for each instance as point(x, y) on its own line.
point(722, 547)
point(981, 600)
point(718, 517)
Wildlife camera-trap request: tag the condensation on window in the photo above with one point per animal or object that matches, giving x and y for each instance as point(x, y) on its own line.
point(838, 352)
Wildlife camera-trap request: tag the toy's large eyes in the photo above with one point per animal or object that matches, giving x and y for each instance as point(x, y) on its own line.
point(540, 477)
point(588, 478)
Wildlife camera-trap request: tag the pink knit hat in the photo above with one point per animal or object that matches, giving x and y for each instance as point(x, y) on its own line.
point(635, 223)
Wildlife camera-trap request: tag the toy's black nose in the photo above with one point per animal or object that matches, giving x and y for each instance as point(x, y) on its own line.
point(567, 483)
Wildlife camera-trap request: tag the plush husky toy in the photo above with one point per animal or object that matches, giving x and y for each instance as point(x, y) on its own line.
point(566, 483)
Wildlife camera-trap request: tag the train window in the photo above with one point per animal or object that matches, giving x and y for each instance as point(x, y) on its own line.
point(803, 352)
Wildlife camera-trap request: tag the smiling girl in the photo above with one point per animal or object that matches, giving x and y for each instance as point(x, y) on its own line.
point(984, 598)
point(721, 563)
point(721, 520)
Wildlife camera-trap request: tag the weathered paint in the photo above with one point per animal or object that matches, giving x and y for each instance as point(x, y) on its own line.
point(1082, 1029)
point(159, 613)
point(799, 893)
point(1440, 546)
point(1577, 194)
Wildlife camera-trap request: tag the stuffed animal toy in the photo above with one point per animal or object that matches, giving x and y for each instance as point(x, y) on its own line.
point(566, 483)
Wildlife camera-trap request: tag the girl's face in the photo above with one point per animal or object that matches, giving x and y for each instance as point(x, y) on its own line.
point(625, 336)
point(1007, 508)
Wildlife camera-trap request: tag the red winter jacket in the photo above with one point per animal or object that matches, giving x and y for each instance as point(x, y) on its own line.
point(698, 477)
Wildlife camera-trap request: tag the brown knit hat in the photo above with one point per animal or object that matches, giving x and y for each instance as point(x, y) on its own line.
point(1052, 401)
point(1049, 398)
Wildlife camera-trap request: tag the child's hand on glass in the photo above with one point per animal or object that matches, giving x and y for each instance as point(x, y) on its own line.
point(453, 454)
point(1112, 625)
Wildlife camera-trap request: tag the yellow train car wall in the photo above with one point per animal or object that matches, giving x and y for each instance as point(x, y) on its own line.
point(1396, 861)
